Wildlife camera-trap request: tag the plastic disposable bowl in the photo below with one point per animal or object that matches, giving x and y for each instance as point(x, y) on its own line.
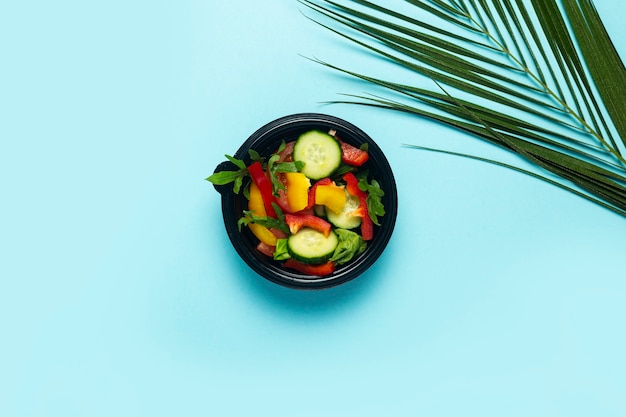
point(265, 141)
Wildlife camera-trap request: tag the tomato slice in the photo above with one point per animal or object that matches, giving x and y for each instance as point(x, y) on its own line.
point(282, 201)
point(352, 155)
point(266, 249)
point(287, 153)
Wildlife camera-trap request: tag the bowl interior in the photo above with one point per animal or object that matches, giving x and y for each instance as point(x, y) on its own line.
point(265, 141)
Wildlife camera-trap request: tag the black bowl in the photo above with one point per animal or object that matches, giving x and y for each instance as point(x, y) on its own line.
point(265, 141)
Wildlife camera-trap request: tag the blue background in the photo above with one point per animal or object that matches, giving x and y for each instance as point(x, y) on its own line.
point(120, 294)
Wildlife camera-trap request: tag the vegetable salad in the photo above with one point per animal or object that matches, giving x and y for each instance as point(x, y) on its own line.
point(311, 203)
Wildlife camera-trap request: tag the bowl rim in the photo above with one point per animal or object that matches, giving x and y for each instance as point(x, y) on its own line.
point(272, 133)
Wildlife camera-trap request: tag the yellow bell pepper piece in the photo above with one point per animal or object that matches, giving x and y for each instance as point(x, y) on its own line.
point(255, 204)
point(331, 196)
point(297, 190)
point(263, 234)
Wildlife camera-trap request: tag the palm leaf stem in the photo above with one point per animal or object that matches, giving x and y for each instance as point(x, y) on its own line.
point(492, 21)
point(506, 17)
point(558, 98)
point(451, 7)
point(460, 5)
point(536, 42)
point(446, 14)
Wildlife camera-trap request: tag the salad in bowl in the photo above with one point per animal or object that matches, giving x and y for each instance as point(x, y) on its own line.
point(309, 200)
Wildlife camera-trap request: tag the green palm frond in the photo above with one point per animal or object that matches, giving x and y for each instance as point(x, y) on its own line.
point(540, 78)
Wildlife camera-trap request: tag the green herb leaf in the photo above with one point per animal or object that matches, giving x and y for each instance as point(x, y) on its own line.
point(227, 177)
point(254, 156)
point(351, 244)
point(281, 147)
point(223, 177)
point(276, 183)
point(281, 253)
point(240, 164)
point(342, 170)
point(269, 222)
point(375, 206)
point(274, 167)
point(294, 166)
point(237, 184)
point(279, 213)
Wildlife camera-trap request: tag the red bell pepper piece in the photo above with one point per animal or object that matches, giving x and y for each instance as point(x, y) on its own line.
point(265, 186)
point(296, 222)
point(367, 228)
point(352, 155)
point(323, 181)
point(317, 270)
point(352, 185)
point(367, 225)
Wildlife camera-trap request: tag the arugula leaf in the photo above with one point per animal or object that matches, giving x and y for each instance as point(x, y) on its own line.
point(351, 244)
point(246, 190)
point(227, 177)
point(255, 156)
point(274, 167)
point(375, 194)
point(281, 147)
point(276, 183)
point(342, 170)
point(223, 177)
point(238, 162)
point(294, 166)
point(279, 212)
point(269, 222)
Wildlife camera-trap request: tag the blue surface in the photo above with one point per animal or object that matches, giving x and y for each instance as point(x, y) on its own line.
point(121, 296)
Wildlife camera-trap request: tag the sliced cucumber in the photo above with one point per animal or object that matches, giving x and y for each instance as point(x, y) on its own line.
point(320, 152)
point(310, 246)
point(346, 219)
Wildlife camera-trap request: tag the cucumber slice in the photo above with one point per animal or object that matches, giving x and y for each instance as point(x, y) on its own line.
point(310, 246)
point(320, 152)
point(345, 219)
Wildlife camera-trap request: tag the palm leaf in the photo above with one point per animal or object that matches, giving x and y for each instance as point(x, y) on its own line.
point(539, 78)
point(604, 63)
